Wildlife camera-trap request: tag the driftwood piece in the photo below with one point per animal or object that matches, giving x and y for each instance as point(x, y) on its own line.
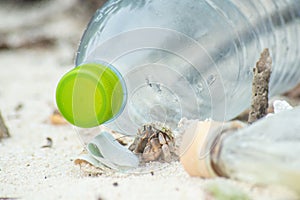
point(260, 87)
point(3, 128)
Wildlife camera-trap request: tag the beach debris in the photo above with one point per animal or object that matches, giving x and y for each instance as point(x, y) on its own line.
point(294, 93)
point(105, 151)
point(260, 87)
point(263, 153)
point(89, 165)
point(122, 141)
point(19, 107)
point(49, 143)
point(115, 184)
point(57, 119)
point(154, 142)
point(279, 106)
point(4, 132)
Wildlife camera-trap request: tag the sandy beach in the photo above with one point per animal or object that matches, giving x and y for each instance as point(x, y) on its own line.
point(28, 78)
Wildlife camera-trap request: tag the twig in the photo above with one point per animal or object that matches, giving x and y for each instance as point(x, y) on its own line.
point(260, 87)
point(3, 129)
point(49, 143)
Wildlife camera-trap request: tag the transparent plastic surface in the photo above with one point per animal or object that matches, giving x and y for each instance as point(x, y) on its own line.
point(266, 152)
point(191, 58)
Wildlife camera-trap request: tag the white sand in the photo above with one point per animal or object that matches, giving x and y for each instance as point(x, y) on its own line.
point(28, 171)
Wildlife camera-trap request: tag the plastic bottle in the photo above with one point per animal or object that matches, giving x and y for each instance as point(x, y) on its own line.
point(267, 152)
point(164, 60)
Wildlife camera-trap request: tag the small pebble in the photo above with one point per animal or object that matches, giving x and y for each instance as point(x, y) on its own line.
point(115, 184)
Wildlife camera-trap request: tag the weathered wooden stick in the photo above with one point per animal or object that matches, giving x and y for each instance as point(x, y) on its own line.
point(3, 128)
point(260, 87)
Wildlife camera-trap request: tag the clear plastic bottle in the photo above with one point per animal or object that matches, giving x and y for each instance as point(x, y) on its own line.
point(183, 58)
point(265, 153)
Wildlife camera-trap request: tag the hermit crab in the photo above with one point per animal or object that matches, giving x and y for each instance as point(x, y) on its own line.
point(154, 142)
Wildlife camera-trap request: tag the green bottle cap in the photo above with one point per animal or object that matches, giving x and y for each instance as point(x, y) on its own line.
point(90, 95)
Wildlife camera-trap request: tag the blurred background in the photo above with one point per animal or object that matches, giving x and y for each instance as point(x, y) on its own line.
point(38, 42)
point(44, 24)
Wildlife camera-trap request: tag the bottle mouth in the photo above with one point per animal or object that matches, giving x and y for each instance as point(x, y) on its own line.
point(91, 94)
